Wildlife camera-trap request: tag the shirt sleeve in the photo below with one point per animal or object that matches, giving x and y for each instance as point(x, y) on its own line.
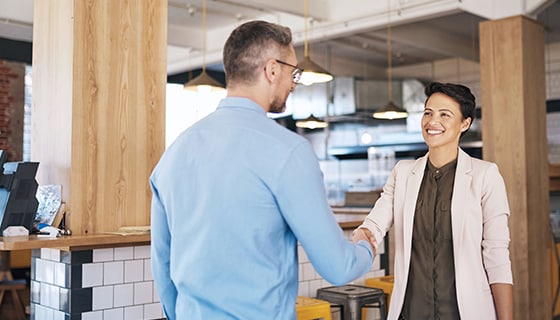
point(160, 248)
point(301, 197)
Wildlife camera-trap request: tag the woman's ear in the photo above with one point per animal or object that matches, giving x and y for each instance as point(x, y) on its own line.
point(466, 124)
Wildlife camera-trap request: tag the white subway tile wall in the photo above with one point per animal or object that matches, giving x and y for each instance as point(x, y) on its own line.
point(113, 272)
point(143, 292)
point(133, 312)
point(94, 315)
point(152, 311)
point(99, 284)
point(142, 252)
point(124, 253)
point(124, 295)
point(117, 283)
point(92, 275)
point(101, 255)
point(102, 298)
point(114, 314)
point(134, 270)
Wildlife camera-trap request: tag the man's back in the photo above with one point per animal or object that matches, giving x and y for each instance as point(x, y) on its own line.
point(230, 242)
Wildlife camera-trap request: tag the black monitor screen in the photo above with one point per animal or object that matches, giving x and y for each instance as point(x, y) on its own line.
point(18, 204)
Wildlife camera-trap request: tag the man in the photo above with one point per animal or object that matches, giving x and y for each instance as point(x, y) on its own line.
point(236, 192)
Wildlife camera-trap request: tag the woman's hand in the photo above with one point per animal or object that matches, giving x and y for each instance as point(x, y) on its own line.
point(365, 234)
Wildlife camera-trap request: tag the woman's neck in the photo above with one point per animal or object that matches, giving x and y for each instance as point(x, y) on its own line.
point(443, 155)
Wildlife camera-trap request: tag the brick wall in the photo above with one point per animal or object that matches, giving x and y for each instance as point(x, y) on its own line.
point(12, 76)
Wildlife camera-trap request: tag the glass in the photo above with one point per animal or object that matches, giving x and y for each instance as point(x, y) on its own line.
point(296, 74)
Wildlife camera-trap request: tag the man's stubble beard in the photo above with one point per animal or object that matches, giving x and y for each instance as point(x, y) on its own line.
point(277, 105)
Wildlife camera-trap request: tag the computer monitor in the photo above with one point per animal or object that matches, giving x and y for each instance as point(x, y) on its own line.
point(18, 204)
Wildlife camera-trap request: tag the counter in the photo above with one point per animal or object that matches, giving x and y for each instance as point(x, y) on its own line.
point(104, 276)
point(73, 242)
point(350, 217)
point(82, 276)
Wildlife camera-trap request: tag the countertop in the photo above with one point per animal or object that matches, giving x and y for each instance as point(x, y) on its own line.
point(350, 217)
point(347, 217)
point(73, 242)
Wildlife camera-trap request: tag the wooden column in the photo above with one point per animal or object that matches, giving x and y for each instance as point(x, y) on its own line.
point(513, 88)
point(99, 76)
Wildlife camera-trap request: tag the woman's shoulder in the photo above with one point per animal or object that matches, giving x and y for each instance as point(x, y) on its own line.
point(410, 165)
point(406, 162)
point(413, 162)
point(480, 164)
point(476, 163)
point(486, 168)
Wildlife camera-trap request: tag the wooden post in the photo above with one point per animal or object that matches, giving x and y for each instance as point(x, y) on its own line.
point(513, 88)
point(99, 75)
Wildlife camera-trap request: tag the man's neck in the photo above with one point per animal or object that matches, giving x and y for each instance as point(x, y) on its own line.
point(251, 93)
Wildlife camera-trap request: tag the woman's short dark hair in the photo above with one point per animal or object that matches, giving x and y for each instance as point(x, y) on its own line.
point(246, 47)
point(457, 92)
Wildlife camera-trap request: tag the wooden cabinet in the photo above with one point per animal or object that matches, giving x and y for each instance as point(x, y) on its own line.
point(554, 176)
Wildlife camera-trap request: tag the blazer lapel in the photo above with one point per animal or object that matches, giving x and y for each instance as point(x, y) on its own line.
point(463, 180)
point(411, 196)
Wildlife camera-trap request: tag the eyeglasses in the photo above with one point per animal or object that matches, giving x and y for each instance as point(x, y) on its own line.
point(296, 74)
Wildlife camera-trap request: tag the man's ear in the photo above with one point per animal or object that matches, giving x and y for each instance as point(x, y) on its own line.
point(271, 70)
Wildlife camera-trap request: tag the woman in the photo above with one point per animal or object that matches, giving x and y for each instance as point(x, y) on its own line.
point(450, 215)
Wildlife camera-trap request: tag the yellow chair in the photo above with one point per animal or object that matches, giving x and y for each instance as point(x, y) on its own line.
point(384, 283)
point(309, 308)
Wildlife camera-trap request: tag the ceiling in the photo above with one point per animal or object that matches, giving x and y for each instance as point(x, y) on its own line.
point(347, 37)
point(354, 41)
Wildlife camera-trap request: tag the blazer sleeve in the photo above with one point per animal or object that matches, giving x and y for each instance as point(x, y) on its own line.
point(380, 218)
point(495, 237)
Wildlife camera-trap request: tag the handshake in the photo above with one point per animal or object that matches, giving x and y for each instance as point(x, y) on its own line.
point(365, 234)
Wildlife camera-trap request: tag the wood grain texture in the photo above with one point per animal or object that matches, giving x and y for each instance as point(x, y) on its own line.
point(116, 114)
point(514, 136)
point(74, 242)
point(51, 140)
point(554, 175)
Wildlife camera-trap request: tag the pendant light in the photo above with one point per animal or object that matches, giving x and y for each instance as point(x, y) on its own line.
point(311, 122)
point(204, 82)
point(391, 110)
point(312, 72)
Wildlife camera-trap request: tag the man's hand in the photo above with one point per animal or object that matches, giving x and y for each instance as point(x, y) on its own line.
point(365, 234)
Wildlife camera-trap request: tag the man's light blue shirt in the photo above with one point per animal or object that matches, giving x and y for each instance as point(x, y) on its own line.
point(232, 196)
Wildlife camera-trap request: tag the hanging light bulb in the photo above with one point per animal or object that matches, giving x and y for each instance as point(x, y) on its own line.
point(312, 72)
point(311, 122)
point(391, 110)
point(204, 83)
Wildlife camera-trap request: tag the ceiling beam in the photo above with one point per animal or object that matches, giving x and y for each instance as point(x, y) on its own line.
point(437, 40)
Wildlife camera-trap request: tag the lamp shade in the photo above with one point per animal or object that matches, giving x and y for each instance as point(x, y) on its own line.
point(204, 83)
point(312, 72)
point(390, 112)
point(311, 122)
